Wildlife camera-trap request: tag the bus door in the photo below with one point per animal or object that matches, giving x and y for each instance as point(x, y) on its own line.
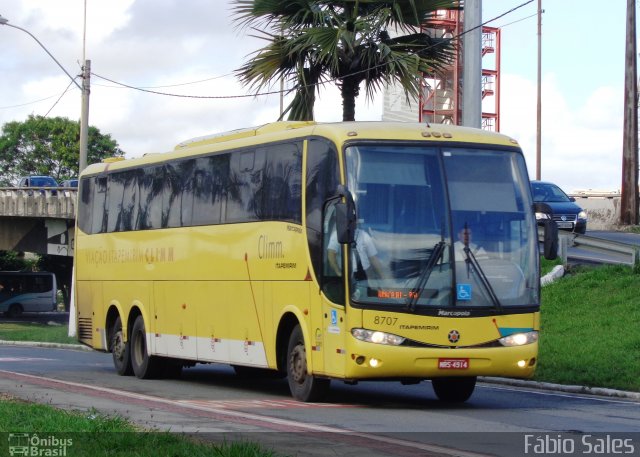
point(333, 328)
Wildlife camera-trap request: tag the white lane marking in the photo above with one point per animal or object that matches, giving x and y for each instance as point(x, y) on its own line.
point(24, 359)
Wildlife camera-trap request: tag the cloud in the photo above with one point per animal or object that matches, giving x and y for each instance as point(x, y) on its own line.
point(581, 146)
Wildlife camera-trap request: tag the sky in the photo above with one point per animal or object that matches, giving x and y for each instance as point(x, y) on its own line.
point(192, 49)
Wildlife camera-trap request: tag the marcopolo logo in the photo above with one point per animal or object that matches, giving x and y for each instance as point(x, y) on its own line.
point(33, 445)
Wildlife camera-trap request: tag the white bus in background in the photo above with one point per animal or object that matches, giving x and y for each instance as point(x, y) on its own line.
point(27, 292)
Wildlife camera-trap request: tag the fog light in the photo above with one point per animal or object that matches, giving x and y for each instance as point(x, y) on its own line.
point(522, 363)
point(374, 363)
point(360, 360)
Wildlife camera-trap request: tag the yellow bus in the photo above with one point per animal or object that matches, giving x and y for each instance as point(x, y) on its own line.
point(320, 252)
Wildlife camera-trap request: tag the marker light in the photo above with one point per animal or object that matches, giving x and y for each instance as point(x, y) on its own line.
point(371, 336)
point(519, 339)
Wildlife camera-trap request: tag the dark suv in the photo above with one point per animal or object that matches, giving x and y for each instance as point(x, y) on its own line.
point(567, 214)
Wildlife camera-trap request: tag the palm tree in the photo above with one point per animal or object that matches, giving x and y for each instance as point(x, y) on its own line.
point(313, 42)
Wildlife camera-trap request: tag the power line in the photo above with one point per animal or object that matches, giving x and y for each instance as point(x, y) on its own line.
point(150, 89)
point(60, 98)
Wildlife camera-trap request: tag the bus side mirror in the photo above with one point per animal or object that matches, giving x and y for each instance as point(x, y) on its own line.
point(345, 223)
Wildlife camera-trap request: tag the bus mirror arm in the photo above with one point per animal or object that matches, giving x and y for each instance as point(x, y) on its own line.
point(346, 217)
point(550, 243)
point(550, 239)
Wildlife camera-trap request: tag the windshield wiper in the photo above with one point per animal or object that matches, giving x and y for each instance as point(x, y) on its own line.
point(472, 262)
point(414, 295)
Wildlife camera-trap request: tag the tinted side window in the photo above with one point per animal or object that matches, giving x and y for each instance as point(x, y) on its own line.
point(100, 209)
point(281, 192)
point(245, 186)
point(322, 178)
point(210, 181)
point(150, 190)
point(130, 203)
point(177, 178)
point(115, 199)
point(85, 208)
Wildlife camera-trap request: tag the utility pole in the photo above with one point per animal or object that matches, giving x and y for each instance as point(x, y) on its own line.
point(539, 103)
point(472, 64)
point(84, 115)
point(629, 191)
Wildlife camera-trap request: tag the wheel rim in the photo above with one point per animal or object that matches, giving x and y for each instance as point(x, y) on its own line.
point(298, 364)
point(118, 346)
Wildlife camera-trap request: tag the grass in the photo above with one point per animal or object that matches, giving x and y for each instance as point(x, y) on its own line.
point(547, 265)
point(93, 434)
point(35, 332)
point(590, 331)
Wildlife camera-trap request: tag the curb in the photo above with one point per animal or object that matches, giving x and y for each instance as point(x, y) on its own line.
point(547, 386)
point(77, 347)
point(551, 387)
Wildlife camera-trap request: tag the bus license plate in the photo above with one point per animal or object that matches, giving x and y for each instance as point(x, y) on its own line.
point(453, 364)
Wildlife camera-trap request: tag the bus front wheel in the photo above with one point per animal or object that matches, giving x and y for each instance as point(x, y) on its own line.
point(454, 390)
point(144, 366)
point(304, 386)
point(120, 350)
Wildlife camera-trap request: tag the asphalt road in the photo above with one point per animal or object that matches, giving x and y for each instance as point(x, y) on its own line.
point(372, 419)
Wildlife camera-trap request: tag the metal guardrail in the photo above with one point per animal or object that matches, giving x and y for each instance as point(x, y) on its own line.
point(49, 202)
point(620, 253)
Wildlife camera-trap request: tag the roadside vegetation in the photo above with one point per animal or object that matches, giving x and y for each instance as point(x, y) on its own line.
point(30, 331)
point(93, 434)
point(590, 331)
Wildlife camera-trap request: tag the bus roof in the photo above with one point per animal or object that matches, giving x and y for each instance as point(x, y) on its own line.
point(338, 132)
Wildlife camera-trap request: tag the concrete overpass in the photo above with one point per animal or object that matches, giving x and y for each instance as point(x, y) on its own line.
point(39, 220)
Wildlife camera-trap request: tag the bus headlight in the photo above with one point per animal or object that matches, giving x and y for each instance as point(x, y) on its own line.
point(519, 339)
point(374, 336)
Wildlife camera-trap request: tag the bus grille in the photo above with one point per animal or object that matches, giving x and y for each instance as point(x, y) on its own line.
point(85, 328)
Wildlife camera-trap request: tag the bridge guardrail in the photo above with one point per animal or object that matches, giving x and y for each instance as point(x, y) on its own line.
point(52, 202)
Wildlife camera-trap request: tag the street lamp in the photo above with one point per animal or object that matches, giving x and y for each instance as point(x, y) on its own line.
point(84, 119)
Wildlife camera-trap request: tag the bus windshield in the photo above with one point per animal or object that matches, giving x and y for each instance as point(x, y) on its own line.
point(441, 227)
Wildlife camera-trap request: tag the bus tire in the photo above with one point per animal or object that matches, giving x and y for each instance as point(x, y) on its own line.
point(14, 310)
point(454, 390)
point(144, 366)
point(303, 386)
point(120, 350)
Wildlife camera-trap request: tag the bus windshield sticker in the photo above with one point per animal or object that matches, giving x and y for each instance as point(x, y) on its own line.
point(463, 292)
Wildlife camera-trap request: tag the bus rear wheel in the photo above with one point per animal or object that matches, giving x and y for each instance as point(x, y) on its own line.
point(144, 366)
point(120, 350)
point(454, 390)
point(304, 386)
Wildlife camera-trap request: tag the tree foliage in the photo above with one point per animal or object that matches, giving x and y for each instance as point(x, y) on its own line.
point(48, 146)
point(349, 42)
